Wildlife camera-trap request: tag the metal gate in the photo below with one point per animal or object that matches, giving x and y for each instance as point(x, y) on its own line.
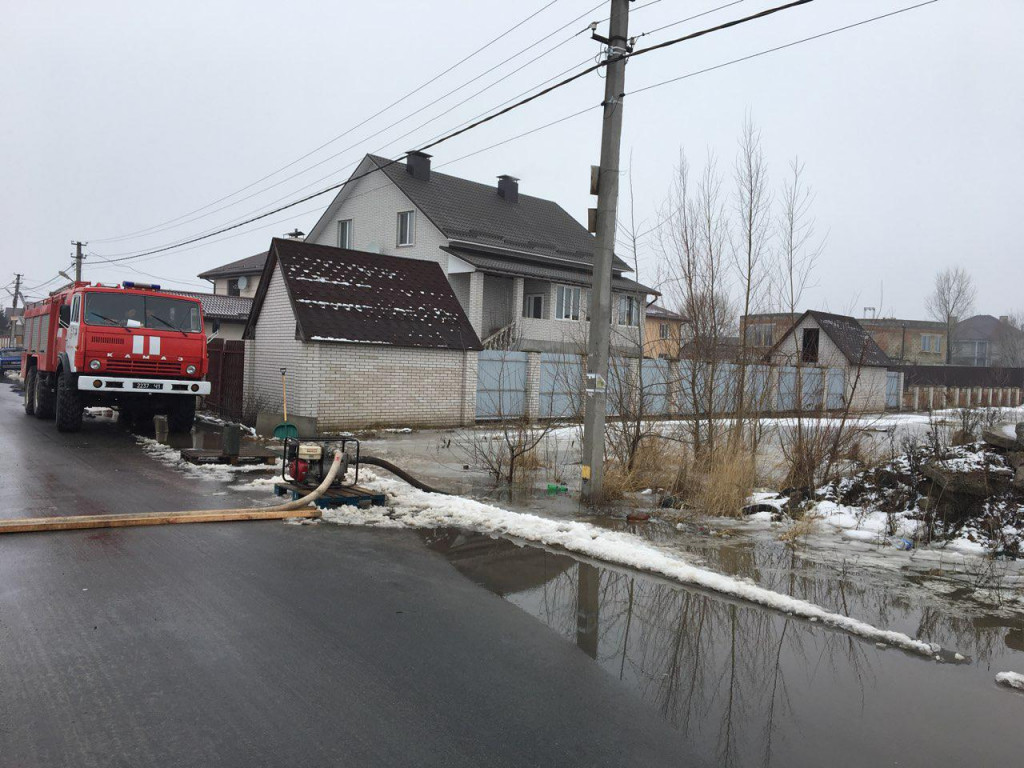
point(892, 389)
point(501, 384)
point(226, 376)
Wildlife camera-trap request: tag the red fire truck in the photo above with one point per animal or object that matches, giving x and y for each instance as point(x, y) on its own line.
point(127, 346)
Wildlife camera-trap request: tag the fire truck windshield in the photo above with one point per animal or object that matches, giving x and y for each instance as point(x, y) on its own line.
point(130, 310)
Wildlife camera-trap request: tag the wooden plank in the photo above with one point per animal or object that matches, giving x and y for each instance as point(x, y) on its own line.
point(81, 522)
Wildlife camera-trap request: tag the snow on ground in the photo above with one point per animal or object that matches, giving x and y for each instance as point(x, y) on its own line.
point(1011, 679)
point(165, 454)
point(208, 418)
point(411, 508)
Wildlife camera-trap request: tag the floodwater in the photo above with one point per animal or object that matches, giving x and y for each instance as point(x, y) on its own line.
point(750, 686)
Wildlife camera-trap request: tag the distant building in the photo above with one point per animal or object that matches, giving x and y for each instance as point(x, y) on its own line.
point(762, 331)
point(664, 333)
point(239, 278)
point(987, 341)
point(909, 342)
point(225, 316)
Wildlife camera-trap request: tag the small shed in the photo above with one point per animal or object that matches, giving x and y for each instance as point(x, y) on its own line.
point(366, 339)
point(825, 340)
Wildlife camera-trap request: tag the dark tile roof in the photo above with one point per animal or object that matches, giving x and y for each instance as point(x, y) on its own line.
point(250, 265)
point(892, 322)
point(563, 273)
point(473, 212)
point(221, 307)
point(855, 344)
point(366, 298)
point(983, 328)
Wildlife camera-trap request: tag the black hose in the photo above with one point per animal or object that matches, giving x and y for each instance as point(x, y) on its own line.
point(399, 472)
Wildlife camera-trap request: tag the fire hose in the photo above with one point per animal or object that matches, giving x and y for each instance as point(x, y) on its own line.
point(401, 473)
point(79, 522)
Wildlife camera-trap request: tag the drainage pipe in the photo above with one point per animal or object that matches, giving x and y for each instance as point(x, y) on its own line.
point(296, 508)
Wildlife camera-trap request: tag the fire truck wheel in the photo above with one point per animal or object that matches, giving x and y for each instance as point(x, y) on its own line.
point(30, 391)
point(45, 401)
point(69, 405)
point(182, 415)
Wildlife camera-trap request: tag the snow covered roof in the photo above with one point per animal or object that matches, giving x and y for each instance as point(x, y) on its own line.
point(339, 295)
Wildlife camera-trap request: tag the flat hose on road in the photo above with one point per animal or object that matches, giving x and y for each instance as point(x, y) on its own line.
point(80, 522)
point(401, 473)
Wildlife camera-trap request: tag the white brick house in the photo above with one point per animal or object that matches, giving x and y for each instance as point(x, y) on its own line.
point(366, 338)
point(825, 340)
point(520, 266)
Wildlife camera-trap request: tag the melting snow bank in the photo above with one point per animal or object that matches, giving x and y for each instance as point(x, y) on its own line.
point(165, 454)
point(416, 509)
point(1011, 679)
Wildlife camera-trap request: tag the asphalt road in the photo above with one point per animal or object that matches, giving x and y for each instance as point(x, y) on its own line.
point(267, 644)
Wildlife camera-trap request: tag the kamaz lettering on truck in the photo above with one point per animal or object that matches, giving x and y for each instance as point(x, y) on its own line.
point(128, 346)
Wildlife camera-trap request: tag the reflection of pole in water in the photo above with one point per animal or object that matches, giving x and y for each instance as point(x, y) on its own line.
point(588, 583)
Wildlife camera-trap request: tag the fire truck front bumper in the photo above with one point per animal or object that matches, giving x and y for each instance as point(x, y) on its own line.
point(142, 386)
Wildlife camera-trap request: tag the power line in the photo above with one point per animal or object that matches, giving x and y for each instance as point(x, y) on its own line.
point(475, 124)
point(360, 124)
point(688, 18)
point(765, 52)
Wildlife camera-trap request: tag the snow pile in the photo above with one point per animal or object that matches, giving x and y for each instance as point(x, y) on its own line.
point(1011, 679)
point(412, 508)
point(171, 457)
point(207, 418)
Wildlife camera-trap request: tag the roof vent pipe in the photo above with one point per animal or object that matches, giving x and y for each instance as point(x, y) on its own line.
point(508, 188)
point(418, 165)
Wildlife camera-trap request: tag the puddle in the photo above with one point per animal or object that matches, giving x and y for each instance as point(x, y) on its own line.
point(750, 686)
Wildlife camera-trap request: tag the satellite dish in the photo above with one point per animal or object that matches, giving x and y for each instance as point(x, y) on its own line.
point(243, 282)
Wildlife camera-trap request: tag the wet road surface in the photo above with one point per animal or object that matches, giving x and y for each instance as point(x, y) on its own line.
point(250, 644)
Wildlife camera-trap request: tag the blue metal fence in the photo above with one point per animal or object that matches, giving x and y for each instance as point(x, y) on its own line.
point(501, 384)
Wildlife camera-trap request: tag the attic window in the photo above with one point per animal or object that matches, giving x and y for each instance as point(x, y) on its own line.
point(345, 233)
point(406, 227)
point(233, 289)
point(809, 348)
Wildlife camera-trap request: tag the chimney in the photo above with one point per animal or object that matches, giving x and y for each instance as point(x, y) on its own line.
point(418, 165)
point(508, 188)
point(1004, 319)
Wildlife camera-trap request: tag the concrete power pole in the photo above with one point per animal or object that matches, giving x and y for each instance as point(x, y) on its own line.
point(604, 247)
point(17, 289)
point(78, 259)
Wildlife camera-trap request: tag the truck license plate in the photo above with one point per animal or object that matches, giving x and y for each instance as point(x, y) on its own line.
point(147, 385)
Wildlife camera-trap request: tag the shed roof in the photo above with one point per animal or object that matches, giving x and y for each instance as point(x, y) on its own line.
point(340, 295)
point(250, 265)
point(654, 311)
point(855, 344)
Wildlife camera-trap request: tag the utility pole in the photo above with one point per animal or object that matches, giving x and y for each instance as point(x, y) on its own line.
point(17, 289)
point(78, 259)
point(604, 247)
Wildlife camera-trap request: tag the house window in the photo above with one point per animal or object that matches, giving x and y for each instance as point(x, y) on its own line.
point(233, 289)
point(931, 342)
point(567, 302)
point(345, 233)
point(760, 334)
point(809, 348)
point(664, 331)
point(406, 227)
point(629, 310)
point(976, 352)
point(533, 306)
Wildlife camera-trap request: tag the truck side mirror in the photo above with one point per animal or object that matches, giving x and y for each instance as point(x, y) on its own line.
point(64, 318)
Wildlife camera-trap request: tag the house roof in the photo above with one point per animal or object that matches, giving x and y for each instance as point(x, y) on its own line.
point(855, 344)
point(250, 265)
point(892, 322)
point(340, 295)
point(221, 307)
point(983, 328)
point(654, 311)
point(474, 213)
point(493, 263)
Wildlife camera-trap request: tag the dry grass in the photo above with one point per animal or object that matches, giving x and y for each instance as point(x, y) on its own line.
point(798, 529)
point(721, 486)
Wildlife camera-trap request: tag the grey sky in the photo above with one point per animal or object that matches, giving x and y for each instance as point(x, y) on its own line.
point(121, 115)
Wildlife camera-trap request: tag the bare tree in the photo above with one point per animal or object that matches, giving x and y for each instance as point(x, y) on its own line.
point(951, 300)
point(1011, 341)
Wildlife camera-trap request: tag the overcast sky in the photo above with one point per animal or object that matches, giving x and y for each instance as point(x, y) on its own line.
point(119, 116)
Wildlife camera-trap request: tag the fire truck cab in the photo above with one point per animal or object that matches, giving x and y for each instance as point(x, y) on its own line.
point(129, 346)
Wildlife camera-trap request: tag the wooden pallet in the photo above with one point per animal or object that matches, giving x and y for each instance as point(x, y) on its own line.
point(340, 496)
point(246, 457)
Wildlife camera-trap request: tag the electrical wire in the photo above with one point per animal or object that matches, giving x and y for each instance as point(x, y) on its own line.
point(476, 124)
point(363, 122)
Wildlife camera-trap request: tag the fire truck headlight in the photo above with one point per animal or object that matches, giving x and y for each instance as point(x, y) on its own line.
point(191, 370)
point(94, 364)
